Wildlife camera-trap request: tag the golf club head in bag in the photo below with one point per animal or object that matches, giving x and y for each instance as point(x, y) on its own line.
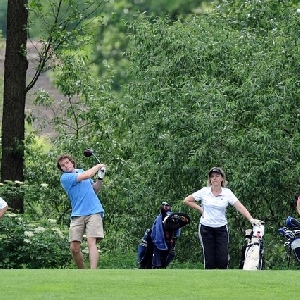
point(89, 153)
point(291, 232)
point(174, 221)
point(292, 223)
point(259, 230)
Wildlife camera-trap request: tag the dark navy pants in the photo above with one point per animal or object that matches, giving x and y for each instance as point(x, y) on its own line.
point(215, 246)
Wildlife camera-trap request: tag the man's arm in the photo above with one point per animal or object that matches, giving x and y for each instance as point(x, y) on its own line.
point(97, 185)
point(89, 173)
point(298, 205)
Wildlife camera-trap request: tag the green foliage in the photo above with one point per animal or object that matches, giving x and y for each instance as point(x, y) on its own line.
point(118, 259)
point(173, 8)
point(208, 92)
point(260, 17)
point(61, 19)
point(3, 15)
point(187, 264)
point(111, 43)
point(25, 244)
point(220, 89)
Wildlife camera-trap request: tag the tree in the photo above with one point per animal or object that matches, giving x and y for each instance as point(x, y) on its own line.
point(112, 41)
point(13, 120)
point(60, 25)
point(212, 91)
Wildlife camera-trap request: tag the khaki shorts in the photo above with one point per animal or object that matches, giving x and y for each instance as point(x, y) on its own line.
point(91, 225)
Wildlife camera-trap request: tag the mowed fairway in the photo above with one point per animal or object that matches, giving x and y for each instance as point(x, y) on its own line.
point(148, 284)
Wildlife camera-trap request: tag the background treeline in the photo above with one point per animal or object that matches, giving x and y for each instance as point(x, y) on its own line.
point(162, 97)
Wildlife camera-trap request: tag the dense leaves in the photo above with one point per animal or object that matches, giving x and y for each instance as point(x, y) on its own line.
point(209, 92)
point(217, 89)
point(32, 245)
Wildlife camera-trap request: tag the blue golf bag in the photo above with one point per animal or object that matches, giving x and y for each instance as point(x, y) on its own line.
point(157, 248)
point(291, 232)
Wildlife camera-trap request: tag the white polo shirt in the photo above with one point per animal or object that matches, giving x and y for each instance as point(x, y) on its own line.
point(2, 203)
point(214, 207)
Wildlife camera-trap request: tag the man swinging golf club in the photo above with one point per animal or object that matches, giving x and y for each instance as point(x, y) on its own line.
point(87, 210)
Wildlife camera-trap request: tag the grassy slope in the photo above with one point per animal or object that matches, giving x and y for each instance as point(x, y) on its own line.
point(148, 284)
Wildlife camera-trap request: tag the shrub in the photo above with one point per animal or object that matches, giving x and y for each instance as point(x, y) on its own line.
point(32, 245)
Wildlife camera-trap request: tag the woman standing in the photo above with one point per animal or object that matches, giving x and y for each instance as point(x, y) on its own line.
point(213, 229)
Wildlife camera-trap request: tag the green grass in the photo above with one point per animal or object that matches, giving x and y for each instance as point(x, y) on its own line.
point(148, 284)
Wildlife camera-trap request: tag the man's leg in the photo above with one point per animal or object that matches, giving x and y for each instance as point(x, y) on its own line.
point(77, 254)
point(93, 252)
point(94, 233)
point(75, 237)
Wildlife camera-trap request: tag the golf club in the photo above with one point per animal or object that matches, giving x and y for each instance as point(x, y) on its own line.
point(89, 153)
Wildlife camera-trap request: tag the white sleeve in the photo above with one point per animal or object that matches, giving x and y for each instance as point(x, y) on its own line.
point(198, 195)
point(232, 197)
point(2, 203)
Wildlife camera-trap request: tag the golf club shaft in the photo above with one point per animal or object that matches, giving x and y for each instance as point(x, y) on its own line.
point(98, 160)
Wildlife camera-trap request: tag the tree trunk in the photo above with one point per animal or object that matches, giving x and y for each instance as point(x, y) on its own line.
point(13, 119)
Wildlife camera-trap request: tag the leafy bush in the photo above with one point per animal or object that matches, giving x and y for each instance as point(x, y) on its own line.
point(25, 244)
point(118, 260)
point(215, 90)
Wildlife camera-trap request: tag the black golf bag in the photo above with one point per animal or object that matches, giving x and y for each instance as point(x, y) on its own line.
point(157, 248)
point(252, 257)
point(291, 232)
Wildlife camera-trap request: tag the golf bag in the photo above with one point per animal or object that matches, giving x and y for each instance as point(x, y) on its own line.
point(157, 248)
point(252, 257)
point(291, 232)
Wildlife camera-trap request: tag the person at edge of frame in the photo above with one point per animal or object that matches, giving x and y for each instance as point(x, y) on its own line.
point(87, 210)
point(3, 207)
point(298, 203)
point(213, 227)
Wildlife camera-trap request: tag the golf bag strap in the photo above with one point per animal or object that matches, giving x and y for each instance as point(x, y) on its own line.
point(289, 255)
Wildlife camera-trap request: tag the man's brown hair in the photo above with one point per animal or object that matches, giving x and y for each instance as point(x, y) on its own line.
point(64, 156)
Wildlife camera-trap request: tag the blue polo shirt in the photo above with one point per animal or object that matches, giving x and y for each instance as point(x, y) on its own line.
point(84, 200)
